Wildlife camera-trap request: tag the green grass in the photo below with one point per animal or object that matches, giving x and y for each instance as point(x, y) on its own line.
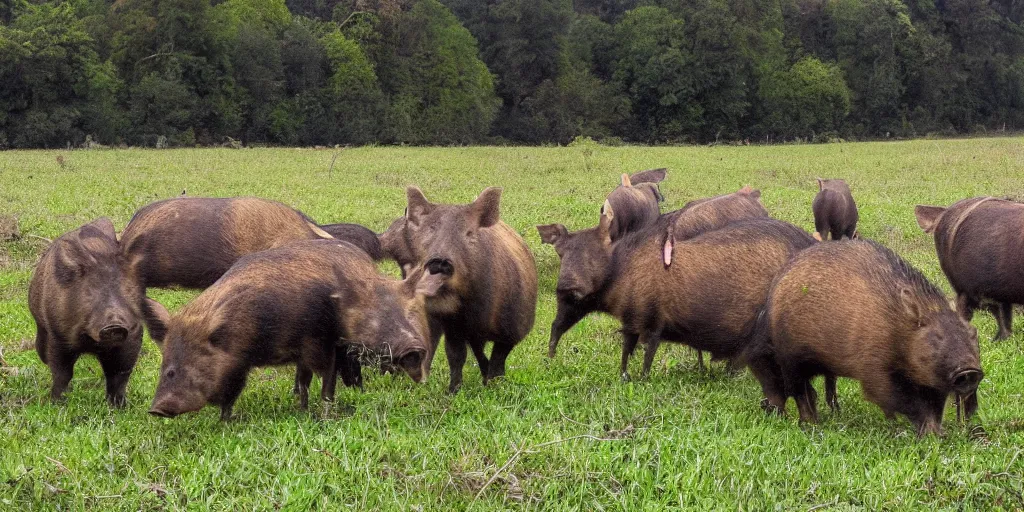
point(678, 440)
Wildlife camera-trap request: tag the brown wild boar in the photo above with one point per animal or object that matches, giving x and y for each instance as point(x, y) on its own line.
point(359, 236)
point(293, 304)
point(702, 215)
point(82, 303)
point(192, 241)
point(395, 244)
point(981, 251)
point(491, 293)
point(636, 201)
point(855, 309)
point(835, 211)
point(708, 299)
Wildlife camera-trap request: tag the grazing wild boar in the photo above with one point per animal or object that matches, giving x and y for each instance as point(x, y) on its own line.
point(192, 241)
point(491, 293)
point(359, 236)
point(293, 304)
point(708, 299)
point(636, 201)
point(855, 309)
point(83, 304)
point(835, 211)
point(395, 244)
point(981, 251)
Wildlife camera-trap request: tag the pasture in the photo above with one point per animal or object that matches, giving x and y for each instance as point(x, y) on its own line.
point(554, 434)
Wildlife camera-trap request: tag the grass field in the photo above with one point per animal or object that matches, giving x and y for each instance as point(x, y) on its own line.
point(554, 434)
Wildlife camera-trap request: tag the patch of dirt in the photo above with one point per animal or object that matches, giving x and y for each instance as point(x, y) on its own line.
point(9, 228)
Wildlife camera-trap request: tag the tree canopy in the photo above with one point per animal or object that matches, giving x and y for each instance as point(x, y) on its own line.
point(326, 72)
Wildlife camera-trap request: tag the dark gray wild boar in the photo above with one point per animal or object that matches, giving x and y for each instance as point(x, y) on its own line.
point(82, 303)
point(708, 299)
point(835, 211)
point(636, 201)
point(855, 309)
point(491, 294)
point(359, 236)
point(192, 241)
point(981, 251)
point(294, 304)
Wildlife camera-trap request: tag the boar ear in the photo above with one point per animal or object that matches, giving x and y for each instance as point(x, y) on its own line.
point(319, 231)
point(928, 216)
point(649, 176)
point(486, 207)
point(69, 259)
point(105, 226)
point(625, 181)
point(417, 205)
point(156, 318)
point(817, 236)
point(551, 233)
point(605, 225)
point(912, 306)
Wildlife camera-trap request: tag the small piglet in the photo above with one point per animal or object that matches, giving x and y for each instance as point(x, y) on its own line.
point(305, 303)
point(636, 201)
point(835, 211)
point(855, 309)
point(83, 304)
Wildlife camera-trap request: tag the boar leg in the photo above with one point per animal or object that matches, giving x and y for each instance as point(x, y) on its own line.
point(629, 342)
point(500, 352)
point(1004, 317)
point(436, 330)
point(481, 358)
point(700, 361)
point(651, 339)
point(566, 316)
point(41, 343)
point(62, 366)
point(117, 368)
point(329, 377)
point(303, 379)
point(806, 399)
point(455, 351)
point(231, 387)
point(831, 395)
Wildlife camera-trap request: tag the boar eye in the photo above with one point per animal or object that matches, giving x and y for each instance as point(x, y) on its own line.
point(170, 373)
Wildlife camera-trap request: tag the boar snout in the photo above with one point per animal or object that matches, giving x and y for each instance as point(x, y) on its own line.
point(414, 364)
point(113, 334)
point(438, 265)
point(965, 381)
point(166, 407)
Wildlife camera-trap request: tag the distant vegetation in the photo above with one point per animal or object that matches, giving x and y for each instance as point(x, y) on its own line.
point(325, 72)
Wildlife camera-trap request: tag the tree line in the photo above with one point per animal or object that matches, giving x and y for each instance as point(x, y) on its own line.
point(326, 72)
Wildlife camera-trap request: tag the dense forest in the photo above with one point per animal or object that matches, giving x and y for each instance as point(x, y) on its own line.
point(325, 72)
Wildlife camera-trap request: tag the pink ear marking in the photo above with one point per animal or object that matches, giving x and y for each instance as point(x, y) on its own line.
point(667, 251)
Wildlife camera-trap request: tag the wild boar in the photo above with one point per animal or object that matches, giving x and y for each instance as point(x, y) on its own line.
point(192, 241)
point(708, 299)
point(835, 211)
point(491, 293)
point(396, 246)
point(636, 201)
point(359, 236)
point(293, 304)
point(855, 309)
point(82, 304)
point(702, 215)
point(980, 248)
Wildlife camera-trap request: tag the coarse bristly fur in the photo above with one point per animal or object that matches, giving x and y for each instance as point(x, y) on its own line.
point(980, 247)
point(307, 303)
point(708, 298)
point(855, 309)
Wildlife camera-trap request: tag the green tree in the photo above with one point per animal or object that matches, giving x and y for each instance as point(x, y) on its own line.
point(808, 100)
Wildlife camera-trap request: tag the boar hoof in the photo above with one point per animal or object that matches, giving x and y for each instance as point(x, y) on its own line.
point(625, 377)
point(1001, 336)
point(118, 401)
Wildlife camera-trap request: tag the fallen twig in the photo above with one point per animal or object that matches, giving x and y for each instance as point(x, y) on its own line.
point(515, 457)
point(330, 172)
point(57, 463)
point(327, 453)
